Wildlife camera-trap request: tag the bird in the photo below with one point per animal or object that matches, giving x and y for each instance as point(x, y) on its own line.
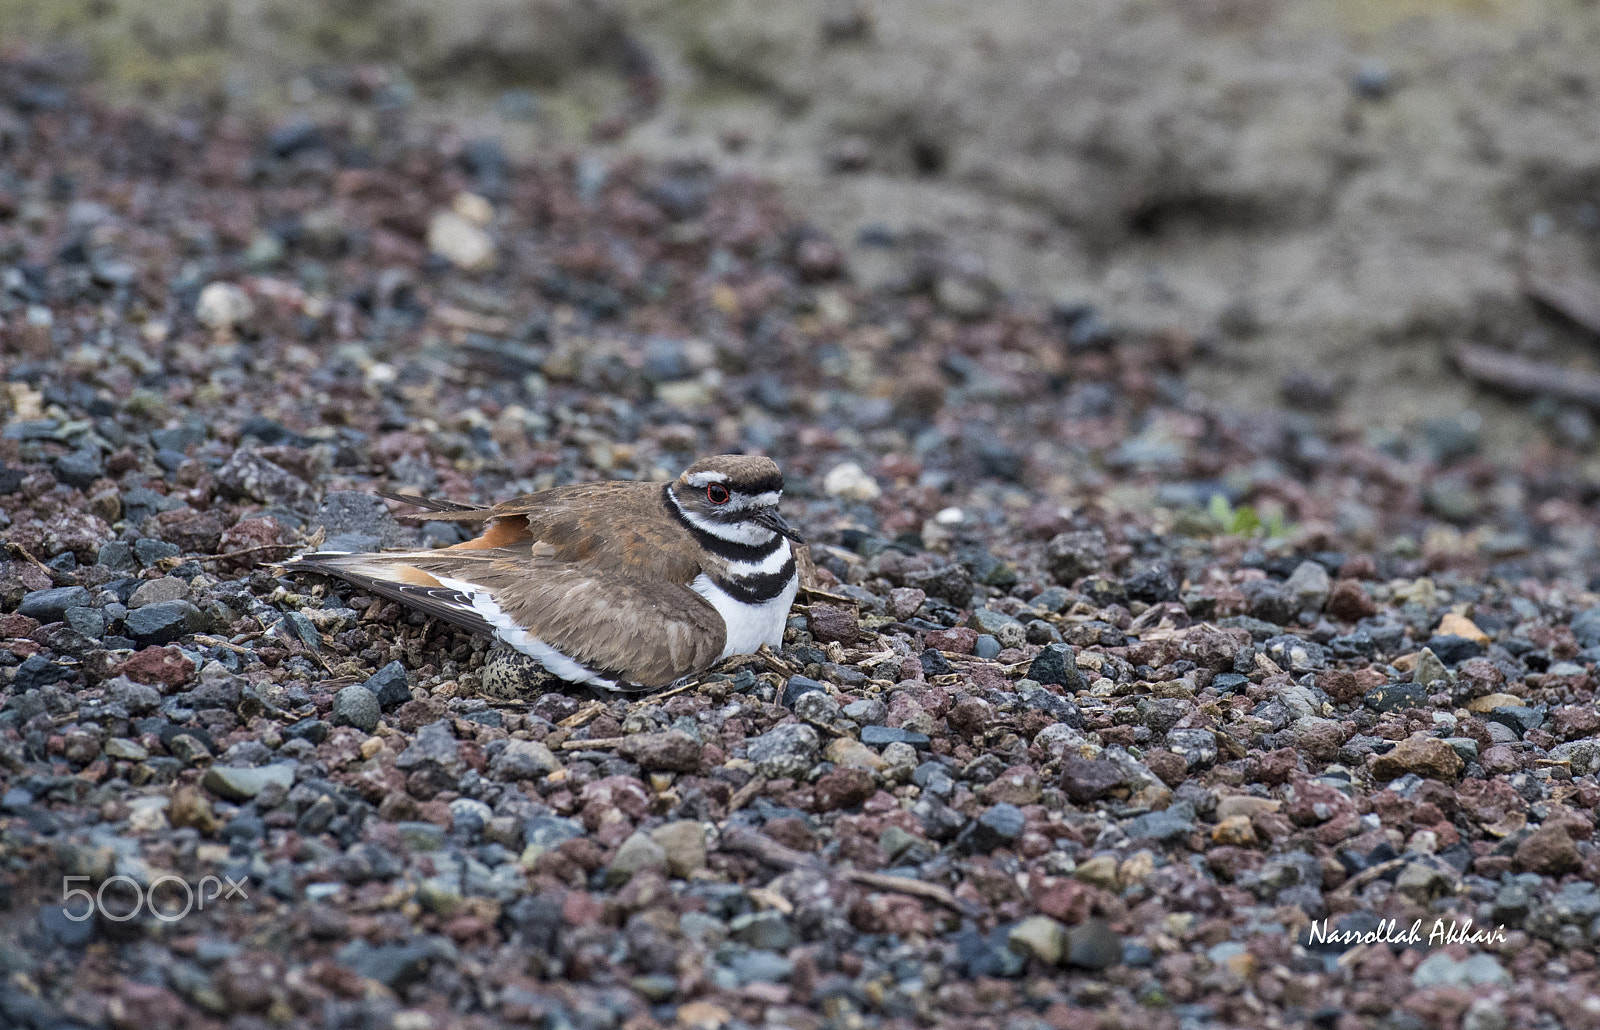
point(620, 586)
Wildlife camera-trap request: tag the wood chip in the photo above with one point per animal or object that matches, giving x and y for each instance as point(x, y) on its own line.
point(768, 898)
point(598, 744)
point(1510, 823)
point(760, 846)
point(22, 552)
point(846, 556)
point(472, 321)
point(1268, 666)
point(822, 595)
point(1234, 749)
point(745, 794)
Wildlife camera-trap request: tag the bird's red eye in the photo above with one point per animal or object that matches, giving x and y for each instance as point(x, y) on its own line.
point(716, 493)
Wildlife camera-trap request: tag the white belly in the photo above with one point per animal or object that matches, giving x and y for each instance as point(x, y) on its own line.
point(749, 625)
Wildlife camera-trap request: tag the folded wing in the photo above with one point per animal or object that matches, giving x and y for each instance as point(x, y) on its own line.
point(638, 630)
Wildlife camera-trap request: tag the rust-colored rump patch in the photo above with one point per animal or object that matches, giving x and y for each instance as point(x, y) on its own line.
point(502, 533)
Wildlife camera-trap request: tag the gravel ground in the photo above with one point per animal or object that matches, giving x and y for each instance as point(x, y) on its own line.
point(1104, 707)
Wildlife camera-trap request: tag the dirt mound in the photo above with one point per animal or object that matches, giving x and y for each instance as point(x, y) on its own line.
point(1335, 191)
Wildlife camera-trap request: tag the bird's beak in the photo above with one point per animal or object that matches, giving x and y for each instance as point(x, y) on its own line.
point(778, 524)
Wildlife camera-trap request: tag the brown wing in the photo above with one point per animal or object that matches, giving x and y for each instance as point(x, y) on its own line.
point(542, 505)
point(619, 525)
point(643, 629)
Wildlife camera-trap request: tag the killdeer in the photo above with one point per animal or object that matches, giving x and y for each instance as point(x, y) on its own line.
point(621, 586)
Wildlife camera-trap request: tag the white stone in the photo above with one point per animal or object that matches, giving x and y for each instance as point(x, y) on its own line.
point(223, 306)
point(850, 482)
point(458, 241)
point(148, 818)
point(685, 394)
point(1058, 740)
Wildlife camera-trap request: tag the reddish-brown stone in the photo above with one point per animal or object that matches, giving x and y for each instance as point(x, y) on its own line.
point(1070, 901)
point(1359, 566)
point(165, 665)
point(255, 541)
point(1575, 721)
point(1322, 741)
point(1274, 767)
point(971, 716)
point(1348, 601)
point(843, 787)
point(832, 622)
point(1085, 780)
point(1211, 647)
point(1172, 768)
point(1548, 851)
point(1018, 786)
point(1500, 760)
point(791, 831)
point(1346, 685)
point(958, 640)
point(15, 625)
point(1315, 803)
point(192, 531)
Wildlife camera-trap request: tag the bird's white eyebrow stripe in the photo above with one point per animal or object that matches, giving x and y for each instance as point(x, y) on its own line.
point(705, 478)
point(739, 502)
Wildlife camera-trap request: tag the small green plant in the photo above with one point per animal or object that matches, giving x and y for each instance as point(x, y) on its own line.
point(1244, 520)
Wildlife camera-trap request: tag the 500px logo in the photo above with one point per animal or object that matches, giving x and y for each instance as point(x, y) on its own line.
point(164, 908)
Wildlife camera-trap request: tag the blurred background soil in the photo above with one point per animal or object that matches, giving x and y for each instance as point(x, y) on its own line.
point(1329, 196)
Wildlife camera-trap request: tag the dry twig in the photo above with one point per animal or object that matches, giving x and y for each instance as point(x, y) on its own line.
point(230, 555)
point(598, 744)
point(1366, 876)
point(583, 716)
point(1501, 371)
point(764, 849)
